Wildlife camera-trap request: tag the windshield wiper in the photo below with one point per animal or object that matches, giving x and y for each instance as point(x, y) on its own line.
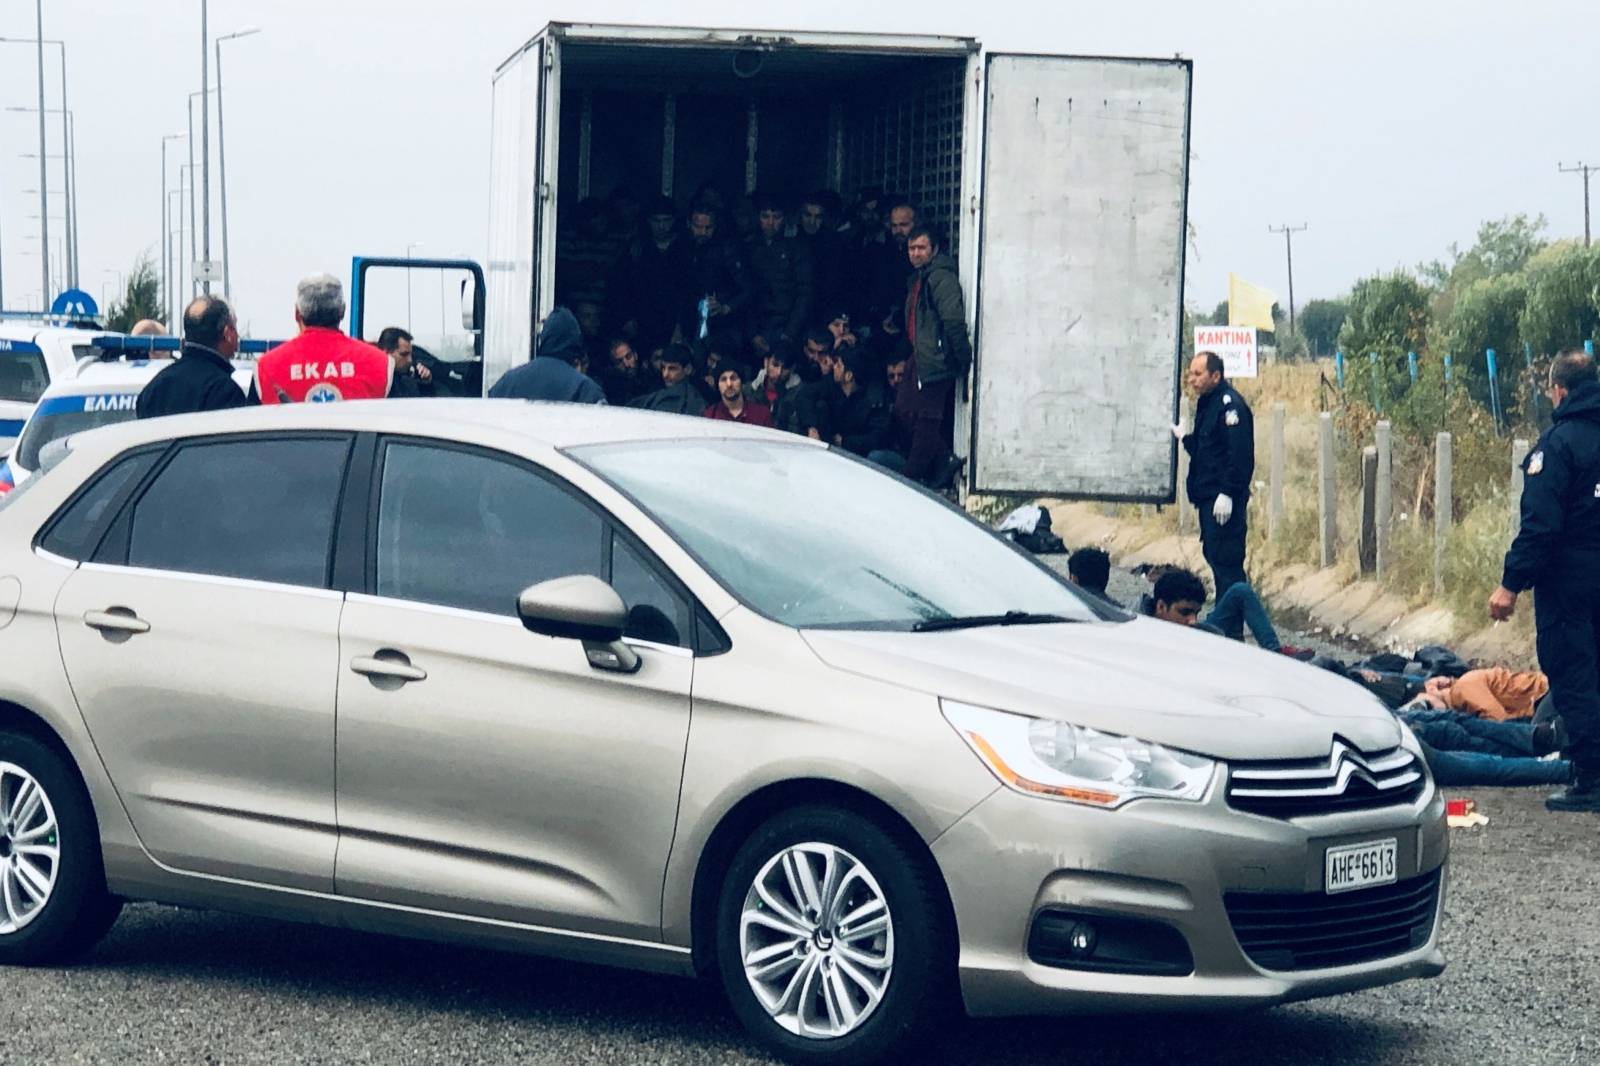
point(977, 621)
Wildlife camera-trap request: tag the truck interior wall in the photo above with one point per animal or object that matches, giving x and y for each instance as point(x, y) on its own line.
point(906, 137)
point(822, 121)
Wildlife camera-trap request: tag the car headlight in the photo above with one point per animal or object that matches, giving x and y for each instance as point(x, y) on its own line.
point(1058, 760)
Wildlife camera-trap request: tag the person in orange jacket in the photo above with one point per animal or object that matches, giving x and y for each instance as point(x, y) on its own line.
point(322, 364)
point(1496, 693)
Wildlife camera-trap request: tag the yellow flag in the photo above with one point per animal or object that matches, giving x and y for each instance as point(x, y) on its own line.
point(1250, 305)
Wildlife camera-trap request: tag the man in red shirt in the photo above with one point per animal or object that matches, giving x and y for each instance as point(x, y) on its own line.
point(322, 364)
point(733, 407)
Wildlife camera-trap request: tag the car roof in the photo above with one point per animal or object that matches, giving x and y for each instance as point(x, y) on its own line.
point(557, 425)
point(100, 377)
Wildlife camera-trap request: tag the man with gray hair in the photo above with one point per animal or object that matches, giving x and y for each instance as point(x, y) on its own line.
point(322, 364)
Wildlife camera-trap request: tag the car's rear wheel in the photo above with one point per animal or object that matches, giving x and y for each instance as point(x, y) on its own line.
point(53, 900)
point(832, 938)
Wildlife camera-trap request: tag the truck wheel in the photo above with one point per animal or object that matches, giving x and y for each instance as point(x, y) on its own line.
point(53, 900)
point(831, 939)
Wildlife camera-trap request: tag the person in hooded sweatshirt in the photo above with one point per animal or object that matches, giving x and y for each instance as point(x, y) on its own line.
point(550, 375)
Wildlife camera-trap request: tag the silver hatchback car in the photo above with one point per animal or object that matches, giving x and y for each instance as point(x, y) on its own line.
point(672, 694)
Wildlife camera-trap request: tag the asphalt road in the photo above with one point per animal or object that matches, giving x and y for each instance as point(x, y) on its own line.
point(177, 986)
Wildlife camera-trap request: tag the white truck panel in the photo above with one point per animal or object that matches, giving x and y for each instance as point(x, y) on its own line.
point(513, 162)
point(1079, 307)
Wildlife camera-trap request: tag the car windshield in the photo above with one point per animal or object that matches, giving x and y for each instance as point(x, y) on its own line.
point(813, 539)
point(23, 377)
point(65, 415)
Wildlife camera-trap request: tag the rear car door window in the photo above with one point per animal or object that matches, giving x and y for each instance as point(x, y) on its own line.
point(76, 531)
point(260, 509)
point(467, 530)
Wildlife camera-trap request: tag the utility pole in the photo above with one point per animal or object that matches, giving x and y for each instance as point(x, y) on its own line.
point(1585, 171)
point(205, 144)
point(44, 196)
point(222, 158)
point(1288, 232)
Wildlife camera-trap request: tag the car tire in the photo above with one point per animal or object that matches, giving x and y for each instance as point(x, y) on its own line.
point(53, 907)
point(917, 987)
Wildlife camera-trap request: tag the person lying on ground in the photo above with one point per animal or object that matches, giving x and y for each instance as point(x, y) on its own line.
point(1463, 751)
point(1495, 693)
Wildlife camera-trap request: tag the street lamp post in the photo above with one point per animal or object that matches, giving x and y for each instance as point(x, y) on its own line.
point(222, 155)
point(166, 232)
point(44, 202)
point(205, 142)
point(413, 244)
point(175, 241)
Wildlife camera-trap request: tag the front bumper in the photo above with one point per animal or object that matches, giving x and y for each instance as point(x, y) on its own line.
point(1013, 856)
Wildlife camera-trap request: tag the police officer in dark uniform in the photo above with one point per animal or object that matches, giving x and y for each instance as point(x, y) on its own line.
point(201, 378)
point(1222, 462)
point(1557, 554)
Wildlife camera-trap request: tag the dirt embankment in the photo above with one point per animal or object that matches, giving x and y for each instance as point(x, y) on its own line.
point(1355, 609)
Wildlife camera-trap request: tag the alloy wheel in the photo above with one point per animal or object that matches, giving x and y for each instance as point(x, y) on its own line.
point(30, 849)
point(817, 940)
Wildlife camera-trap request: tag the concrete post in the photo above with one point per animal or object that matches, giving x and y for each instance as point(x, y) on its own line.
point(1185, 509)
point(1442, 516)
point(1384, 500)
point(1275, 486)
point(1519, 452)
point(1367, 549)
point(1328, 500)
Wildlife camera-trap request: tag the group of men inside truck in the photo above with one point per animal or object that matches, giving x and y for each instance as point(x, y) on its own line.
point(846, 327)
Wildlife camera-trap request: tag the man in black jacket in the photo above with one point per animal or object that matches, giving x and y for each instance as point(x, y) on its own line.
point(201, 379)
point(780, 274)
point(1222, 462)
point(861, 409)
point(1557, 554)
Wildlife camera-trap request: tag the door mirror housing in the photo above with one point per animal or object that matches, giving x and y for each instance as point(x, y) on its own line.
point(578, 607)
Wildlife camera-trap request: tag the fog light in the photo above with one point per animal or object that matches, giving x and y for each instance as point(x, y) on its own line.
point(1108, 944)
point(1082, 940)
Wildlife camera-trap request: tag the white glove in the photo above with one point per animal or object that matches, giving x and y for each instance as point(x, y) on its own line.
point(1222, 510)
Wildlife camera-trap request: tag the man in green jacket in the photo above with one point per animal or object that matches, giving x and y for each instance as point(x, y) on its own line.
point(936, 329)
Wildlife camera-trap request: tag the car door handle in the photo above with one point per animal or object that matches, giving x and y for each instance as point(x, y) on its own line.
point(116, 620)
point(388, 664)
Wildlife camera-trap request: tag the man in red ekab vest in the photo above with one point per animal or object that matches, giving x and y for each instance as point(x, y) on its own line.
point(322, 364)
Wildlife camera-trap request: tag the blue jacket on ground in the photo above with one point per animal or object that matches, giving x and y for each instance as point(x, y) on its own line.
point(550, 375)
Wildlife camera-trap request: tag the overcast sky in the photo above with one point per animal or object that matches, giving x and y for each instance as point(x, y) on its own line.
point(1391, 127)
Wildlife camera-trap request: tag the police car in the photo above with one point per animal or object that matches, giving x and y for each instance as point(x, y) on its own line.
point(100, 394)
point(33, 355)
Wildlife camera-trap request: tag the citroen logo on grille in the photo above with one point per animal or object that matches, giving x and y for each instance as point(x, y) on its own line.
point(1345, 763)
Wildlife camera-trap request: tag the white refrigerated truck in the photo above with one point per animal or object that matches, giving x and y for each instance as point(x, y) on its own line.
point(1060, 180)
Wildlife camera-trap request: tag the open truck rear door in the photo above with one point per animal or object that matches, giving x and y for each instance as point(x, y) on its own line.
point(1080, 277)
point(522, 169)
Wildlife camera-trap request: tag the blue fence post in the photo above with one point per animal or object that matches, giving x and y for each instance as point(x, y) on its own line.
point(1411, 364)
point(1338, 368)
point(1494, 390)
point(1588, 346)
point(1377, 397)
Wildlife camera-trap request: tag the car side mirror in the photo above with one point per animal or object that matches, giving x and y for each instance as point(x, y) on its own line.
point(584, 608)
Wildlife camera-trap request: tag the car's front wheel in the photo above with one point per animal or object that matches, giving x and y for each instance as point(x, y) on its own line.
point(832, 939)
point(53, 900)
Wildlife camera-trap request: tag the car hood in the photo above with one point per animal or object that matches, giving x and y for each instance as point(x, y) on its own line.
point(1153, 680)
